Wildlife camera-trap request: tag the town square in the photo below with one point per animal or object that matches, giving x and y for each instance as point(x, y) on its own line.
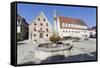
point(82, 50)
point(52, 35)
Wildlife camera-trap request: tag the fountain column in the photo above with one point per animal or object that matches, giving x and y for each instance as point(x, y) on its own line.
point(55, 23)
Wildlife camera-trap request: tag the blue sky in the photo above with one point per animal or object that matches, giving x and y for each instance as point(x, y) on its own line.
point(30, 12)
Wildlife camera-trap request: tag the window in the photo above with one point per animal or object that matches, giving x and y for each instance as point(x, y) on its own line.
point(44, 19)
point(47, 29)
point(41, 35)
point(46, 34)
point(34, 29)
point(34, 34)
point(63, 24)
point(40, 28)
point(41, 24)
point(46, 24)
point(66, 24)
point(69, 25)
point(38, 19)
point(72, 25)
point(18, 29)
point(35, 40)
point(34, 23)
point(31, 35)
point(74, 31)
point(19, 22)
point(63, 31)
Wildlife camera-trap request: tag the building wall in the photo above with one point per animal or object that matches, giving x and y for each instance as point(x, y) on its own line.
point(92, 33)
point(22, 30)
point(73, 30)
point(40, 26)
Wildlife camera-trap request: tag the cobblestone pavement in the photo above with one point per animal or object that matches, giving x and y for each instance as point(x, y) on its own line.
point(81, 51)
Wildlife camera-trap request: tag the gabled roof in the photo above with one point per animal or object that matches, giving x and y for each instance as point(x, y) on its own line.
point(63, 19)
point(41, 14)
point(21, 18)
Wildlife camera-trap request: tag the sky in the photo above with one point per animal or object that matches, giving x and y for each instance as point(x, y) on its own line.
point(31, 11)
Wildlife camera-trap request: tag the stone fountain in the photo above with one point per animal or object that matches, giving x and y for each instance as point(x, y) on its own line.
point(55, 47)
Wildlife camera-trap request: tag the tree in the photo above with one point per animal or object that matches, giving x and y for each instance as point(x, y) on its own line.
point(54, 38)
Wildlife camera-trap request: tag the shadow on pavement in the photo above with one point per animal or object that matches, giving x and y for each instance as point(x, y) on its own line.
point(75, 58)
point(62, 58)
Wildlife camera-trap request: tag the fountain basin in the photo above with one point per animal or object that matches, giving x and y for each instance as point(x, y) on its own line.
point(43, 53)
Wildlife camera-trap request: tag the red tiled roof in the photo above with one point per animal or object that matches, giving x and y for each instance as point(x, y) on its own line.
point(63, 19)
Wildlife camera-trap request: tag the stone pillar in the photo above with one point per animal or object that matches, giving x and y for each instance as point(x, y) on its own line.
point(55, 23)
